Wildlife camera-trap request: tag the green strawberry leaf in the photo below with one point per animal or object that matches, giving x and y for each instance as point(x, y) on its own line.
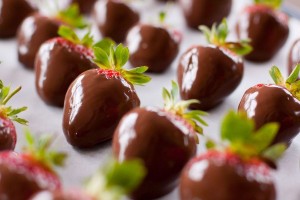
point(272, 3)
point(274, 152)
point(72, 17)
point(162, 16)
point(69, 34)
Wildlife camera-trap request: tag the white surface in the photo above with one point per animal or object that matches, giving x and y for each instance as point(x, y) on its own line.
point(81, 164)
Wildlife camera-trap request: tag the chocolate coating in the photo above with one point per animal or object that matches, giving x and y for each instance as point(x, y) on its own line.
point(85, 6)
point(12, 13)
point(266, 28)
point(205, 12)
point(209, 74)
point(8, 136)
point(61, 195)
point(294, 56)
point(161, 141)
point(94, 105)
point(223, 178)
point(152, 46)
point(34, 30)
point(114, 19)
point(57, 65)
point(272, 103)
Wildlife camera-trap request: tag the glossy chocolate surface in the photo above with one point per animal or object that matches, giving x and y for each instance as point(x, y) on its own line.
point(12, 13)
point(34, 30)
point(152, 46)
point(57, 65)
point(61, 195)
point(8, 136)
point(161, 141)
point(267, 29)
point(226, 179)
point(209, 74)
point(294, 56)
point(205, 12)
point(94, 105)
point(272, 103)
point(85, 6)
point(114, 19)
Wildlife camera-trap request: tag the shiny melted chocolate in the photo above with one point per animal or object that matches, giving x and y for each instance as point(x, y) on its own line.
point(163, 142)
point(34, 30)
point(209, 74)
point(272, 103)
point(57, 65)
point(114, 19)
point(205, 12)
point(94, 104)
point(267, 30)
point(152, 46)
point(12, 13)
point(8, 136)
point(216, 176)
point(294, 56)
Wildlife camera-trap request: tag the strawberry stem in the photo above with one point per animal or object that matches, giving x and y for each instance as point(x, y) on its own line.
point(9, 96)
point(69, 34)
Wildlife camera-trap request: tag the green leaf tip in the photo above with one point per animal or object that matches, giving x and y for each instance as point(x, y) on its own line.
point(69, 34)
point(162, 16)
point(109, 56)
point(271, 3)
point(39, 149)
point(291, 83)
point(8, 111)
point(72, 17)
point(217, 35)
point(242, 138)
point(116, 179)
point(180, 108)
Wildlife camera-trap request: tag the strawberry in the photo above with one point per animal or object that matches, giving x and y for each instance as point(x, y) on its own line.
point(8, 136)
point(98, 98)
point(24, 174)
point(279, 102)
point(114, 19)
point(85, 6)
point(211, 73)
point(164, 139)
point(12, 14)
point(204, 12)
point(234, 169)
point(59, 61)
point(294, 55)
point(265, 26)
point(37, 28)
point(111, 182)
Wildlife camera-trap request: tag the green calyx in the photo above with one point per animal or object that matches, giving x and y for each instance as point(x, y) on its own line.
point(162, 16)
point(217, 35)
point(240, 137)
point(108, 56)
point(180, 108)
point(291, 83)
point(69, 34)
point(38, 149)
point(8, 111)
point(116, 179)
point(271, 3)
point(71, 16)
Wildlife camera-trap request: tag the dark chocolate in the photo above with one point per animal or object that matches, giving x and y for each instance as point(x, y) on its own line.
point(8, 136)
point(272, 103)
point(161, 141)
point(94, 105)
point(205, 12)
point(209, 74)
point(114, 19)
point(85, 6)
point(152, 46)
point(267, 30)
point(294, 56)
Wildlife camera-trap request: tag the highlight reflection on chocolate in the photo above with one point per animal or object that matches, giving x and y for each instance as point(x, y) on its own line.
point(114, 19)
point(12, 13)
point(161, 141)
point(294, 56)
point(8, 138)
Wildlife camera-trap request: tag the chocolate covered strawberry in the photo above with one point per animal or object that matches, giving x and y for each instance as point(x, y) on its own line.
point(8, 135)
point(266, 27)
point(22, 175)
point(205, 12)
point(111, 182)
point(98, 98)
point(37, 28)
point(294, 56)
point(85, 6)
point(163, 138)
point(211, 73)
point(12, 13)
point(114, 18)
point(58, 63)
point(234, 169)
point(279, 102)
